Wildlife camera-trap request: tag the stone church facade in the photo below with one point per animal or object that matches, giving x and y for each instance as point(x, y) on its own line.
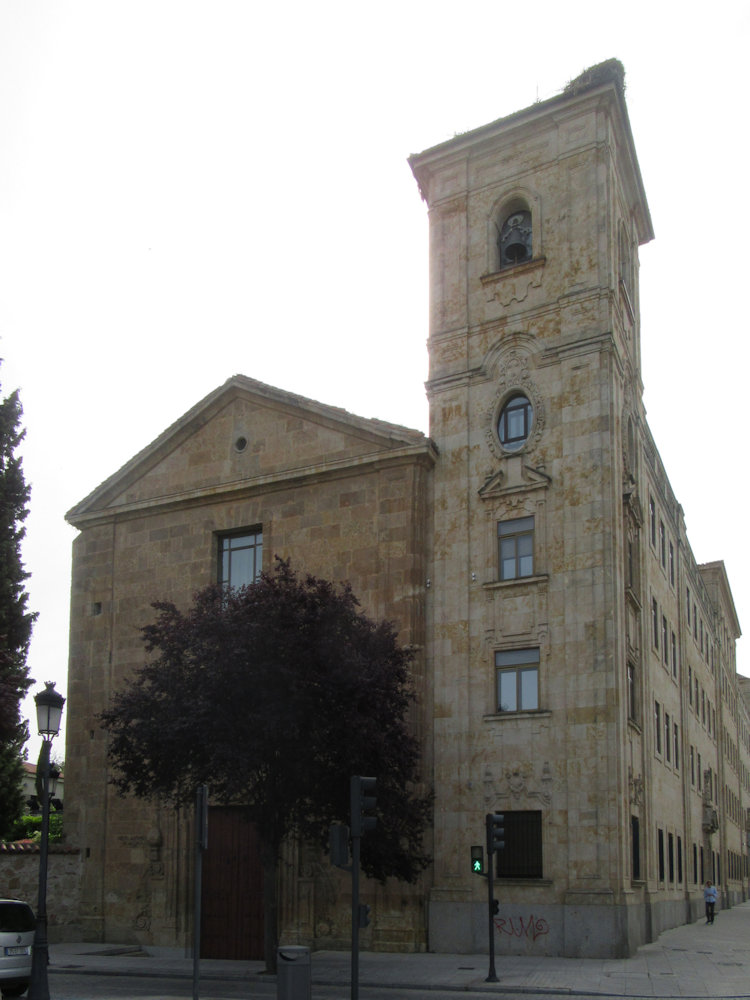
point(575, 667)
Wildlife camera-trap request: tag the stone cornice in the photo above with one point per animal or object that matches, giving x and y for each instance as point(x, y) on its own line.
point(424, 455)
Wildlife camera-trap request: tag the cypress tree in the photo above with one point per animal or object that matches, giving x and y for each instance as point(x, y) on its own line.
point(15, 620)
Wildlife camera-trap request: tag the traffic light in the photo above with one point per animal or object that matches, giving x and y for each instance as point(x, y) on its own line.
point(495, 832)
point(339, 845)
point(364, 915)
point(495, 907)
point(477, 860)
point(363, 799)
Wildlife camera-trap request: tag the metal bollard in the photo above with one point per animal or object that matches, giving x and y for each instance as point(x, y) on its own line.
point(293, 973)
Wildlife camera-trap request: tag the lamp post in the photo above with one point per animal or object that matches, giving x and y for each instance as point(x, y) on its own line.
point(49, 706)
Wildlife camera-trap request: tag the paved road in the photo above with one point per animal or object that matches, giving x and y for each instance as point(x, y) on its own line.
point(689, 961)
point(74, 986)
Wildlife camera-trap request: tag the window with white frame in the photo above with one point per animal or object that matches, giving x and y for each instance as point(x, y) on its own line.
point(517, 673)
point(515, 542)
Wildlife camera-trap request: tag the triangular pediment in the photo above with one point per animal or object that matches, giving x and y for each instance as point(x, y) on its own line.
point(513, 477)
point(244, 434)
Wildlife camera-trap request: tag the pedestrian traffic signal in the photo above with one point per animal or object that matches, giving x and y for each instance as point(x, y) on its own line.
point(339, 840)
point(495, 832)
point(363, 799)
point(364, 915)
point(495, 907)
point(477, 860)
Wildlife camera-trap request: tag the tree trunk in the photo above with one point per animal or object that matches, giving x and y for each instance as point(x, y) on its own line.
point(269, 858)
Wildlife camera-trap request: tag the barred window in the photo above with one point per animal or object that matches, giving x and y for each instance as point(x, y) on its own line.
point(522, 855)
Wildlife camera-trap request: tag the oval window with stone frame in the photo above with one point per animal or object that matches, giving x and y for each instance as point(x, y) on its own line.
point(514, 423)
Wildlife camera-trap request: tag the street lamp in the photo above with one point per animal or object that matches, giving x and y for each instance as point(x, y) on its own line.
point(49, 706)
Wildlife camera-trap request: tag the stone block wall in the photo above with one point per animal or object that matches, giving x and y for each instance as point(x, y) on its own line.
point(19, 879)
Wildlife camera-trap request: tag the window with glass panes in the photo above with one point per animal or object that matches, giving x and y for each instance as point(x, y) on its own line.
point(517, 680)
point(515, 541)
point(240, 558)
point(514, 425)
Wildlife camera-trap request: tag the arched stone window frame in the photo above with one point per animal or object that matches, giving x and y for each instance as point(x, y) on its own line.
point(510, 202)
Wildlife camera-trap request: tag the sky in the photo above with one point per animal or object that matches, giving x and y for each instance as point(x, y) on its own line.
point(191, 189)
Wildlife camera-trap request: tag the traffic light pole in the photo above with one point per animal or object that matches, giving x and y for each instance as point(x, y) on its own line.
point(355, 917)
point(362, 802)
point(492, 844)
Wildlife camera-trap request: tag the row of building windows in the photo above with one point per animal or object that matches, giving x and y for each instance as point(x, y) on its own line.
point(701, 780)
point(732, 752)
point(663, 637)
point(522, 856)
point(701, 703)
point(660, 543)
point(733, 807)
point(670, 862)
point(667, 738)
point(700, 634)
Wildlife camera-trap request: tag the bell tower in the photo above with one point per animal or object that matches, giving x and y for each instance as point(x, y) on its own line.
point(534, 391)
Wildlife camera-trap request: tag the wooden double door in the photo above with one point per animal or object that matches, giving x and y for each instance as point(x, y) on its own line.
point(232, 893)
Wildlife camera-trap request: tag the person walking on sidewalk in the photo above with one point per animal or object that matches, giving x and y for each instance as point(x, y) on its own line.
point(709, 896)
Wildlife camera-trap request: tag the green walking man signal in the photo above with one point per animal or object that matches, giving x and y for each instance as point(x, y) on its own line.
point(477, 860)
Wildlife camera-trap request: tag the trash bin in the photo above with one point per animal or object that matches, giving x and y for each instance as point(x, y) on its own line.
point(293, 973)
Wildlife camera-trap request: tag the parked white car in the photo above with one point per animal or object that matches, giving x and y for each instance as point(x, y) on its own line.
point(17, 925)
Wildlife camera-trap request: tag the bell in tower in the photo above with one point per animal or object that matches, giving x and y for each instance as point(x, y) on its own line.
point(515, 239)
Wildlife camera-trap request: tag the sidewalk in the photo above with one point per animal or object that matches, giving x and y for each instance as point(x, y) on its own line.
point(690, 961)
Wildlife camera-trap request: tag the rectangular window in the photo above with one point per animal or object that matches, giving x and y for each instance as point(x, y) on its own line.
point(692, 765)
point(671, 564)
point(632, 693)
point(695, 863)
point(662, 544)
point(690, 684)
point(515, 540)
point(652, 519)
point(670, 855)
point(667, 737)
point(676, 734)
point(688, 604)
point(655, 622)
point(679, 860)
point(657, 725)
point(240, 558)
point(700, 773)
point(664, 645)
point(522, 855)
point(660, 845)
point(635, 841)
point(674, 655)
point(517, 679)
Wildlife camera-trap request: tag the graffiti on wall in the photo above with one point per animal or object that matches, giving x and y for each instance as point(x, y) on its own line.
point(517, 927)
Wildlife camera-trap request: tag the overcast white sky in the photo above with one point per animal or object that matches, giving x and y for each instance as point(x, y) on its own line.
point(192, 189)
